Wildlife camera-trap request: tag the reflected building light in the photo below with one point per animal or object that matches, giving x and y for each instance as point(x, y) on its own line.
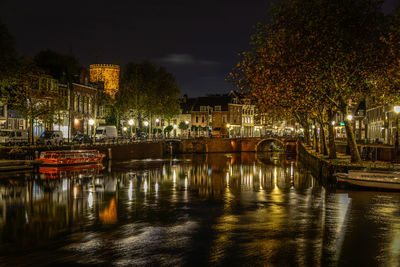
point(65, 185)
point(291, 169)
point(227, 179)
point(130, 190)
point(275, 178)
point(145, 185)
point(174, 177)
point(26, 217)
point(186, 182)
point(156, 188)
point(90, 200)
point(75, 191)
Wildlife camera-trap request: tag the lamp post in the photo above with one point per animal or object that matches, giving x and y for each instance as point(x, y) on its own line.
point(146, 123)
point(228, 126)
point(396, 142)
point(130, 122)
point(187, 129)
point(91, 123)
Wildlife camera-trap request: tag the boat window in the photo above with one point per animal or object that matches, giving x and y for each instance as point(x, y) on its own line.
point(47, 156)
point(99, 131)
point(4, 133)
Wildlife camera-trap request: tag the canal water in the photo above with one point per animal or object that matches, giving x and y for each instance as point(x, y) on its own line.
point(217, 209)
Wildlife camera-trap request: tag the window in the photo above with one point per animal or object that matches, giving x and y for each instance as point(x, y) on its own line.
point(197, 119)
point(224, 119)
point(202, 119)
point(217, 108)
point(2, 109)
point(203, 108)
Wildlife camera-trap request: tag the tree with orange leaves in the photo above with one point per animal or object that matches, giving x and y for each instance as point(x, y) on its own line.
point(315, 56)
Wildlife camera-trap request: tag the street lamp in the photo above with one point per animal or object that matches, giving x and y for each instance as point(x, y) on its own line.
point(229, 130)
point(130, 122)
point(146, 123)
point(396, 142)
point(349, 117)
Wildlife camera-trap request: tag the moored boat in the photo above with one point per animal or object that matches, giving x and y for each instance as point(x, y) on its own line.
point(371, 179)
point(70, 157)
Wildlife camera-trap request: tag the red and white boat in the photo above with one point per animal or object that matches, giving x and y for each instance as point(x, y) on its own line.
point(70, 157)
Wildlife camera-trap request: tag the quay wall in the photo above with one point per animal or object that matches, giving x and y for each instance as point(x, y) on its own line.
point(151, 149)
point(320, 167)
point(138, 150)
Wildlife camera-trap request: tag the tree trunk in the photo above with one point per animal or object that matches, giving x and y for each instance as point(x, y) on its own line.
point(324, 148)
point(315, 141)
point(31, 136)
point(306, 134)
point(331, 135)
point(351, 139)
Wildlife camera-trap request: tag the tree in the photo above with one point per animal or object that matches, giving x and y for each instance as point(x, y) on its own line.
point(147, 91)
point(315, 57)
point(34, 95)
point(65, 68)
point(168, 129)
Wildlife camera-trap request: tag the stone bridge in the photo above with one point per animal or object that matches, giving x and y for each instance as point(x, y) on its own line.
point(251, 144)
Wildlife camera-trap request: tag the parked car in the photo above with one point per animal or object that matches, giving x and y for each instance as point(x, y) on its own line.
point(13, 137)
point(82, 139)
point(106, 133)
point(51, 138)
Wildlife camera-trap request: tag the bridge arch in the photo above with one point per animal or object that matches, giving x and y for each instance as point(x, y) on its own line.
point(270, 140)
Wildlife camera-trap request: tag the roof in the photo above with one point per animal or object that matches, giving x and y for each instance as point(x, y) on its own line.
point(212, 101)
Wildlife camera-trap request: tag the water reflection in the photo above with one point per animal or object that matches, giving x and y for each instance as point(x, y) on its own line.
point(217, 209)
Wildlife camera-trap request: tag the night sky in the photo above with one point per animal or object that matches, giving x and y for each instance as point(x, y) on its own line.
point(197, 41)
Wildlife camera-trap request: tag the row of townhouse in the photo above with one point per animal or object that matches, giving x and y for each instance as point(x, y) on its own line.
point(79, 107)
point(371, 123)
point(225, 115)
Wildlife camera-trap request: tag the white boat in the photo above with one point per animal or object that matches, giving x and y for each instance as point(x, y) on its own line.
point(371, 178)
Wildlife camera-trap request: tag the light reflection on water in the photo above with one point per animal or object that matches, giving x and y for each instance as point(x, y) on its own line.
point(233, 209)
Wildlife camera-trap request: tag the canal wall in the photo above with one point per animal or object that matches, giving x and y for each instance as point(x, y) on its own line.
point(320, 167)
point(137, 150)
